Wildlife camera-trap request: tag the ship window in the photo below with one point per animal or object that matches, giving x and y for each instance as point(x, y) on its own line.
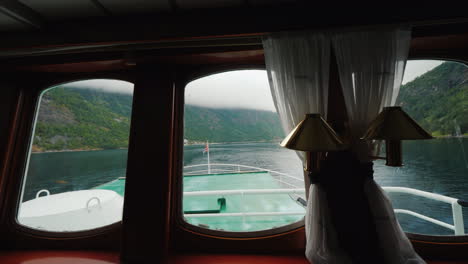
point(435, 172)
point(75, 174)
point(236, 177)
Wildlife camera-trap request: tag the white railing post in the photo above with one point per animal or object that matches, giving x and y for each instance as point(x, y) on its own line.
point(209, 165)
point(242, 208)
point(458, 219)
point(457, 213)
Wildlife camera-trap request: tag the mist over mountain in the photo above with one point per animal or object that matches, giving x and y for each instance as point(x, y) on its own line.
point(84, 119)
point(231, 125)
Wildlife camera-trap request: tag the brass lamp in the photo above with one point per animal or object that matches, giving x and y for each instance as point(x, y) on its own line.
point(394, 125)
point(314, 136)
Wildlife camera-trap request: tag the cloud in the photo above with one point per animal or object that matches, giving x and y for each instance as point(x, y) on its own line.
point(415, 68)
point(105, 85)
point(248, 89)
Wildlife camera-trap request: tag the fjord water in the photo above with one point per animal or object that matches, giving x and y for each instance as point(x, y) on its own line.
point(437, 166)
point(60, 172)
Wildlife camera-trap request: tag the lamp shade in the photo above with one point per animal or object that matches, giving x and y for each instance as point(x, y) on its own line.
point(313, 134)
point(394, 124)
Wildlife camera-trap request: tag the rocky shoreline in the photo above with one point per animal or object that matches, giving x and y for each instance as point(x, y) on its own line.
point(72, 150)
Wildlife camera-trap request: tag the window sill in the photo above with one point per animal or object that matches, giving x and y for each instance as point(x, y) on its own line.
point(100, 257)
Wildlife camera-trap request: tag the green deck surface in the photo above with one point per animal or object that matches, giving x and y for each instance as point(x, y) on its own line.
point(234, 203)
point(117, 186)
point(237, 204)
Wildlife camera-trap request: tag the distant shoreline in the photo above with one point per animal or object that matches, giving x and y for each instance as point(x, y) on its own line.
point(200, 143)
point(236, 142)
point(448, 136)
point(72, 150)
point(244, 142)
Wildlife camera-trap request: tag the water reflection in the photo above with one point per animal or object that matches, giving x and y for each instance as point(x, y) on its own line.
point(436, 166)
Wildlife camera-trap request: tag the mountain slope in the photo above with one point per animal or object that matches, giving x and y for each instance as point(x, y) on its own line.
point(438, 99)
point(74, 118)
point(230, 125)
point(83, 119)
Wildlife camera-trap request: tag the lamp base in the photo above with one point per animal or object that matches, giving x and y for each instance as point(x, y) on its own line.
point(313, 161)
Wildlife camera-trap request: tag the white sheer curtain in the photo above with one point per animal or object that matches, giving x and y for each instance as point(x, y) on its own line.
point(298, 70)
point(298, 65)
point(371, 66)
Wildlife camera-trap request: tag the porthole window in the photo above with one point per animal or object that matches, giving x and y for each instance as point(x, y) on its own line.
point(75, 174)
point(429, 192)
point(236, 177)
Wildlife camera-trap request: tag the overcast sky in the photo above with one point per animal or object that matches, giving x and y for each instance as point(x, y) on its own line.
point(418, 67)
point(236, 89)
point(250, 89)
point(114, 86)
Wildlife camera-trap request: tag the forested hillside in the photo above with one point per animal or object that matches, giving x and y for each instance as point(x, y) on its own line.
point(438, 99)
point(71, 119)
point(83, 119)
point(231, 125)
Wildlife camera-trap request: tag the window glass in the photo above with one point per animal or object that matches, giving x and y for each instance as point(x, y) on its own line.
point(435, 172)
point(248, 184)
point(236, 176)
point(75, 176)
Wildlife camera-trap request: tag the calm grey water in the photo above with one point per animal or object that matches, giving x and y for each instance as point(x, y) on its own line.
point(70, 171)
point(438, 166)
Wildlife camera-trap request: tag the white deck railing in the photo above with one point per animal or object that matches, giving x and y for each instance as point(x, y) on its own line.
point(457, 212)
point(243, 193)
point(236, 168)
point(245, 214)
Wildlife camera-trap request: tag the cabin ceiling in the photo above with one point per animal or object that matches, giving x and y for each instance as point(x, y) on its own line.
point(27, 14)
point(58, 31)
point(27, 23)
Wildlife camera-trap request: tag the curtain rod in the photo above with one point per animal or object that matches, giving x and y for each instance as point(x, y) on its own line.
point(383, 25)
point(195, 42)
point(233, 40)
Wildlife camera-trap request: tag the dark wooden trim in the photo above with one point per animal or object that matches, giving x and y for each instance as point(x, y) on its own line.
point(177, 156)
point(204, 22)
point(149, 54)
point(15, 236)
point(440, 251)
point(11, 126)
point(147, 191)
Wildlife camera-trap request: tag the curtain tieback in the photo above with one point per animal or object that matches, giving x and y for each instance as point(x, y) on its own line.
point(366, 170)
point(314, 177)
point(363, 170)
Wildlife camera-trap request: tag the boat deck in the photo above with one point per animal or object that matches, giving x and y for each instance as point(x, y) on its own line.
point(117, 185)
point(223, 211)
